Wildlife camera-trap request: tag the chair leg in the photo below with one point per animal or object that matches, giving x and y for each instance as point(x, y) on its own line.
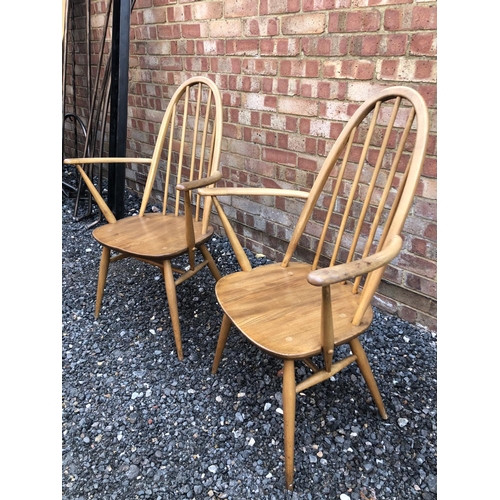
point(103, 272)
point(211, 263)
point(221, 343)
point(289, 401)
point(366, 371)
point(172, 304)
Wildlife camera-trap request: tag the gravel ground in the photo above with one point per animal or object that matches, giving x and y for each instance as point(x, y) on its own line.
point(137, 423)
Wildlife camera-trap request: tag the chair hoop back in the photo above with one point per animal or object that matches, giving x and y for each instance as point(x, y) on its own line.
point(188, 144)
point(365, 188)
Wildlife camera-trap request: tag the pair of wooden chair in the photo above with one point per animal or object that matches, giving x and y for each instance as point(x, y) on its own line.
point(319, 297)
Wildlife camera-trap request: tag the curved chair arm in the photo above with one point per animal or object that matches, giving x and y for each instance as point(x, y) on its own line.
point(241, 191)
point(78, 162)
point(86, 161)
point(244, 191)
point(343, 272)
point(199, 183)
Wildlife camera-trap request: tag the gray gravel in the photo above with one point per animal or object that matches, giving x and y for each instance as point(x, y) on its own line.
point(137, 423)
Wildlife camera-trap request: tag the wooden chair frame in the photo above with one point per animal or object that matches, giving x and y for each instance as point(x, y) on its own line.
point(256, 300)
point(191, 134)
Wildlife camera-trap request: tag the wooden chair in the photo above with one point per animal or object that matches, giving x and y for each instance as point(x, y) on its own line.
point(190, 137)
point(352, 219)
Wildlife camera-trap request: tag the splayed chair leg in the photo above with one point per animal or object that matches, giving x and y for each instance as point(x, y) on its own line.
point(221, 343)
point(289, 402)
point(172, 305)
point(101, 282)
point(366, 371)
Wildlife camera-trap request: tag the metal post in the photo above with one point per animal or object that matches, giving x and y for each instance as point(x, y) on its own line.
point(120, 40)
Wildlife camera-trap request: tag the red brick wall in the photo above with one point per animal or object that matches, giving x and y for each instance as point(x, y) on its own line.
point(286, 69)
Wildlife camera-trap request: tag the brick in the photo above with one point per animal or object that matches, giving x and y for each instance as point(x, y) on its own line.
point(279, 156)
point(260, 102)
point(225, 29)
point(225, 65)
point(352, 69)
point(423, 44)
point(240, 8)
point(424, 208)
point(158, 48)
point(404, 70)
point(311, 5)
point(260, 27)
point(155, 16)
point(279, 6)
point(210, 47)
point(194, 30)
point(207, 10)
point(169, 31)
point(303, 24)
point(197, 64)
point(245, 84)
point(242, 47)
point(328, 45)
point(280, 47)
point(260, 67)
point(179, 13)
point(422, 247)
point(298, 68)
point(359, 20)
point(295, 106)
point(424, 18)
point(373, 3)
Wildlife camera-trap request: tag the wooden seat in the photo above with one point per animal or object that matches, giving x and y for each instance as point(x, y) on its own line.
point(349, 230)
point(186, 156)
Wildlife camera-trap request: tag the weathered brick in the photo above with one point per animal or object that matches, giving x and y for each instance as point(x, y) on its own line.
point(361, 20)
point(423, 44)
point(303, 24)
point(207, 10)
point(280, 47)
point(424, 18)
point(296, 106)
point(311, 5)
point(241, 8)
point(155, 16)
point(179, 13)
point(260, 27)
point(309, 69)
point(225, 29)
point(260, 66)
point(194, 30)
point(279, 6)
point(242, 47)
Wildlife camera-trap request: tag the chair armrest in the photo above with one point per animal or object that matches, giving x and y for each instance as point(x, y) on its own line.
point(199, 183)
point(343, 272)
point(86, 161)
point(242, 191)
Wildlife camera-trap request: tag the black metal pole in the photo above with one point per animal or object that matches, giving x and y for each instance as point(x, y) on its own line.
point(120, 40)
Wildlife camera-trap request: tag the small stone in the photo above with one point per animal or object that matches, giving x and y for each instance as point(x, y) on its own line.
point(402, 422)
point(133, 472)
